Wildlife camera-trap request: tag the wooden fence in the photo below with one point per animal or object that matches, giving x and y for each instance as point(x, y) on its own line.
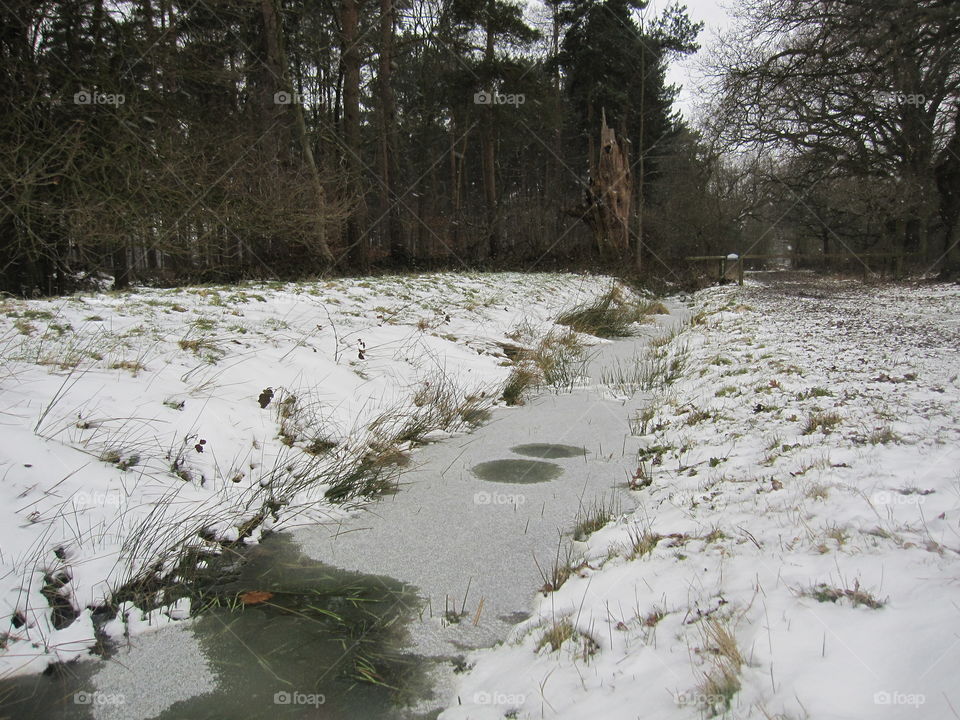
point(730, 267)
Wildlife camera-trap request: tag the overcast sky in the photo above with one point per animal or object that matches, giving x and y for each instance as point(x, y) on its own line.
point(716, 19)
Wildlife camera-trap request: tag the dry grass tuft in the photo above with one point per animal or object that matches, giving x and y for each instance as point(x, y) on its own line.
point(822, 421)
point(594, 518)
point(521, 379)
point(608, 316)
point(722, 680)
point(556, 635)
point(642, 542)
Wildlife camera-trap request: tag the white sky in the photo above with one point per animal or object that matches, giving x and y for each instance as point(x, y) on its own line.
point(714, 15)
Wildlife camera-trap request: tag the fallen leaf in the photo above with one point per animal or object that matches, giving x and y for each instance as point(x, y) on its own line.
point(255, 596)
point(265, 397)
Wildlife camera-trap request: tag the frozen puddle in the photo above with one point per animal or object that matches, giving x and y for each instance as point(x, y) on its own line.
point(155, 671)
point(548, 450)
point(522, 472)
point(517, 471)
point(283, 637)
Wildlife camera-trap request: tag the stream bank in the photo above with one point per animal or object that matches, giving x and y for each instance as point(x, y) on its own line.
point(448, 564)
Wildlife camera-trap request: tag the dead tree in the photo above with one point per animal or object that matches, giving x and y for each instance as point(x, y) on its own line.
point(606, 204)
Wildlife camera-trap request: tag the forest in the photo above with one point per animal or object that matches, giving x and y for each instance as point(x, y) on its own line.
point(167, 142)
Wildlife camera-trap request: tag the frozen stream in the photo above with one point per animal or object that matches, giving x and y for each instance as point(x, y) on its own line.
point(397, 594)
point(477, 548)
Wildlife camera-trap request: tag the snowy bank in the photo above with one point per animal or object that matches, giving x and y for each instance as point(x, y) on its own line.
point(796, 548)
point(141, 423)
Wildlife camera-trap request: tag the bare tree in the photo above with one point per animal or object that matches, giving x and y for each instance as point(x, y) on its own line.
point(868, 88)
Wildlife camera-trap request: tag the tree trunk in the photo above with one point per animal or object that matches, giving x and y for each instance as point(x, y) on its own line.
point(947, 174)
point(641, 177)
point(457, 159)
point(388, 140)
point(350, 58)
point(487, 145)
point(121, 268)
point(607, 205)
point(278, 57)
point(950, 265)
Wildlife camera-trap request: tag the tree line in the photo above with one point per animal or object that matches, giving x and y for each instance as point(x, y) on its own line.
point(171, 141)
point(217, 140)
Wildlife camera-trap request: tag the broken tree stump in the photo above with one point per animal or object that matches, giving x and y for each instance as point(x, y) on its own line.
point(606, 204)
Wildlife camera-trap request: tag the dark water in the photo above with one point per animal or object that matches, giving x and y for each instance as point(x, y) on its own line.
point(325, 644)
point(549, 451)
point(517, 471)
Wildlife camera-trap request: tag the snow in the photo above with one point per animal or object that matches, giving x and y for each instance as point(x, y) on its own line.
point(795, 553)
point(798, 544)
point(132, 422)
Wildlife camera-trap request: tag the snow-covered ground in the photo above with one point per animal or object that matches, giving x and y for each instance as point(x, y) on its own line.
point(796, 548)
point(136, 423)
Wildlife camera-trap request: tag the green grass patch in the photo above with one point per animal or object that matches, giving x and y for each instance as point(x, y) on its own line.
point(608, 316)
point(827, 593)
